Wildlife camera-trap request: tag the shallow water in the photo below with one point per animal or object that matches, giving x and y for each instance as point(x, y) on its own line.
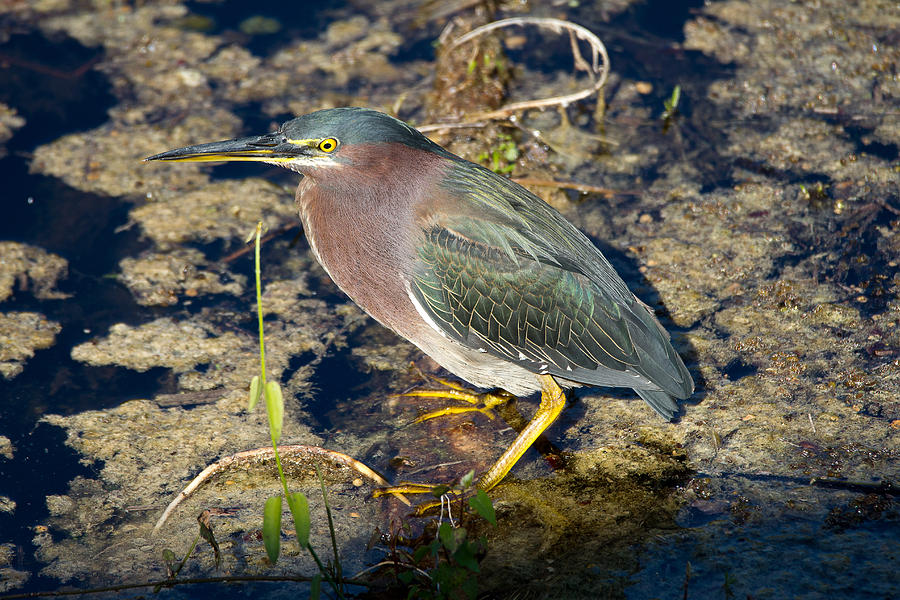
point(761, 222)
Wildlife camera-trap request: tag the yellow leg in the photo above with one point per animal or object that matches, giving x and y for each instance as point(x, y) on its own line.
point(552, 402)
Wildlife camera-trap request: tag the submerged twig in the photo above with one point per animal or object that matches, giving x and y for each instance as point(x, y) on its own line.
point(268, 453)
point(573, 185)
point(249, 248)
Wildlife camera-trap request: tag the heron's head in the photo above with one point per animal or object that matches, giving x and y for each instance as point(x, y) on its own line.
point(336, 138)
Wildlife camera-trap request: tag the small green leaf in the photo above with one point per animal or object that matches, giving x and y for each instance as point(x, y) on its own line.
point(482, 504)
point(434, 547)
point(274, 408)
point(420, 553)
point(447, 537)
point(299, 506)
point(466, 558)
point(469, 587)
point(272, 528)
point(439, 490)
point(168, 556)
point(466, 481)
point(315, 587)
point(672, 102)
point(254, 393)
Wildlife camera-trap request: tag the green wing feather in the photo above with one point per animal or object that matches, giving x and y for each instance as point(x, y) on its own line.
point(510, 276)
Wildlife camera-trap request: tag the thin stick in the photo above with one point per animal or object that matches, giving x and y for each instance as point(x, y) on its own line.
point(573, 185)
point(260, 454)
point(269, 236)
point(598, 72)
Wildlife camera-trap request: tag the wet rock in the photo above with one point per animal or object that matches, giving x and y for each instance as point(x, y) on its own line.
point(153, 69)
point(159, 343)
point(6, 447)
point(7, 505)
point(773, 42)
point(149, 453)
point(10, 577)
point(158, 279)
point(283, 297)
point(9, 122)
point(607, 496)
point(30, 269)
point(107, 160)
point(385, 358)
point(227, 210)
point(21, 333)
point(236, 68)
point(355, 50)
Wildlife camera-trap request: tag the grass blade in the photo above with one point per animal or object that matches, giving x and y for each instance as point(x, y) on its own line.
point(315, 587)
point(334, 546)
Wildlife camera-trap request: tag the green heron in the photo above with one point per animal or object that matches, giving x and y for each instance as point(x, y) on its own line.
point(479, 273)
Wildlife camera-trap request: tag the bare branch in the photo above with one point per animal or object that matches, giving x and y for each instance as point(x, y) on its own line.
point(598, 71)
point(266, 454)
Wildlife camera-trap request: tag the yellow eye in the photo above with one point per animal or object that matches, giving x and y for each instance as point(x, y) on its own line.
point(328, 145)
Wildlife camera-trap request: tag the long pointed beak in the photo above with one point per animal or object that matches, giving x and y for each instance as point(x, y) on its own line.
point(272, 148)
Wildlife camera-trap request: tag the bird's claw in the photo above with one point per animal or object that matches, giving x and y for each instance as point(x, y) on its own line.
point(406, 487)
point(442, 494)
point(480, 402)
point(455, 410)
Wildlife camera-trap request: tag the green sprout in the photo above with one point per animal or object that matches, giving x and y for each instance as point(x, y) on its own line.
point(671, 104)
point(502, 157)
point(296, 501)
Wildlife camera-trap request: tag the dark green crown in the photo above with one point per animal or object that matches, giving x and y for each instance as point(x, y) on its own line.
point(355, 125)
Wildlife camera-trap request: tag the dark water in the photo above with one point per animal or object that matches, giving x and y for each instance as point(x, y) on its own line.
point(45, 80)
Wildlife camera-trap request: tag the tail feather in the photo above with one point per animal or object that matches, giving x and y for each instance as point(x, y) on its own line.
point(661, 402)
point(658, 361)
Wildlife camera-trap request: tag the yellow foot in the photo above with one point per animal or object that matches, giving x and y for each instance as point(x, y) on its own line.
point(406, 487)
point(441, 493)
point(552, 402)
point(483, 403)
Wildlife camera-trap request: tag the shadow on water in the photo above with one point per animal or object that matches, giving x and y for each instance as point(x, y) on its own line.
point(338, 380)
point(264, 27)
point(46, 81)
point(44, 465)
point(50, 83)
